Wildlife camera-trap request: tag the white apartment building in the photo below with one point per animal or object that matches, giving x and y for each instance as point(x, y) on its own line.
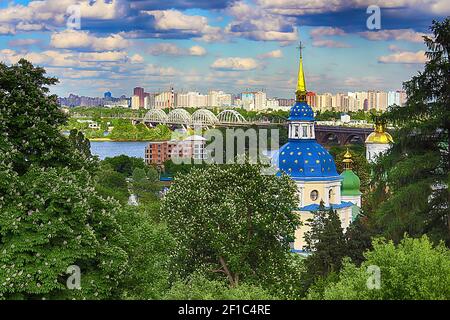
point(272, 104)
point(135, 103)
point(218, 99)
point(254, 101)
point(162, 100)
point(191, 99)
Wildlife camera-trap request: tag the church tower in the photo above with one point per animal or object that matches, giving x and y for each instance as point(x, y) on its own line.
point(310, 165)
point(378, 142)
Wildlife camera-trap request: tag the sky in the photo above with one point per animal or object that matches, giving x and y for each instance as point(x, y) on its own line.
point(229, 45)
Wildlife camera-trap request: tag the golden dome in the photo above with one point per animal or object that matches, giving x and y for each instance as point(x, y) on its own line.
point(379, 135)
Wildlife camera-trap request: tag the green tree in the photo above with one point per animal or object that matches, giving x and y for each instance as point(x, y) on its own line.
point(199, 287)
point(150, 246)
point(412, 270)
point(30, 119)
point(51, 217)
point(359, 239)
point(411, 181)
point(327, 246)
point(80, 143)
point(125, 164)
point(231, 221)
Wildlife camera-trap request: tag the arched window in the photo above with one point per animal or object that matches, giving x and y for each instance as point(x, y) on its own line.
point(330, 194)
point(314, 195)
point(305, 131)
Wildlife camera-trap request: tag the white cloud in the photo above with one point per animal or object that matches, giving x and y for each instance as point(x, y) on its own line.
point(167, 20)
point(271, 54)
point(197, 51)
point(234, 64)
point(53, 58)
point(329, 43)
point(23, 42)
point(7, 29)
point(257, 24)
point(405, 57)
point(395, 34)
point(295, 7)
point(172, 49)
point(72, 39)
point(326, 31)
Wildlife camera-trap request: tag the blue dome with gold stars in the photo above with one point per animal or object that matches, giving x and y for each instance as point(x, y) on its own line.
point(306, 160)
point(301, 111)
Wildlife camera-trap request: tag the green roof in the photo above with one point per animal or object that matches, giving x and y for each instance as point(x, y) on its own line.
point(350, 183)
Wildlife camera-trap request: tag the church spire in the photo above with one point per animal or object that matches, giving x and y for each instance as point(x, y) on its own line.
point(347, 160)
point(300, 93)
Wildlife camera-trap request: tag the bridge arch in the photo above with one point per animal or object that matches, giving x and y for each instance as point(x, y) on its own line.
point(231, 116)
point(204, 116)
point(330, 138)
point(179, 116)
point(354, 139)
point(155, 115)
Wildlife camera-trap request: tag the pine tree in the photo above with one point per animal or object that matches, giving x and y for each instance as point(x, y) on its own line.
point(325, 242)
point(411, 180)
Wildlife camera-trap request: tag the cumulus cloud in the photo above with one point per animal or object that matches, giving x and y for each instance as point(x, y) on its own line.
point(326, 31)
point(53, 58)
point(73, 39)
point(23, 42)
point(405, 57)
point(234, 64)
point(197, 51)
point(255, 23)
point(295, 7)
point(271, 54)
point(329, 43)
point(6, 29)
point(171, 49)
point(398, 34)
point(196, 26)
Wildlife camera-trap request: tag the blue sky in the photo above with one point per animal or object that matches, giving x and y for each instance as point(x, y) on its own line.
point(229, 45)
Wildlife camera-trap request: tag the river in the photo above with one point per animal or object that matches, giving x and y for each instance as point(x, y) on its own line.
point(136, 149)
point(105, 149)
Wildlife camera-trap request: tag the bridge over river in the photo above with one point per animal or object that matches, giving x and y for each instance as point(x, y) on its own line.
point(203, 118)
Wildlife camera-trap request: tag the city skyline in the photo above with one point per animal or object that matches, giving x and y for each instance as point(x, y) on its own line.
point(223, 44)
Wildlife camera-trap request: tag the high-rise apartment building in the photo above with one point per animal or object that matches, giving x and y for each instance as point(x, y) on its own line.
point(138, 91)
point(135, 102)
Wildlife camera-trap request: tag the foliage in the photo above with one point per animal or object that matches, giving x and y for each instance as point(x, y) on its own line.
point(113, 184)
point(359, 239)
point(234, 223)
point(144, 184)
point(149, 248)
point(411, 181)
point(124, 130)
point(80, 143)
point(125, 164)
point(199, 287)
point(412, 270)
point(51, 217)
point(326, 243)
point(30, 119)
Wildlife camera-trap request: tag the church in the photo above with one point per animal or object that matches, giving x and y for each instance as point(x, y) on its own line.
point(313, 169)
